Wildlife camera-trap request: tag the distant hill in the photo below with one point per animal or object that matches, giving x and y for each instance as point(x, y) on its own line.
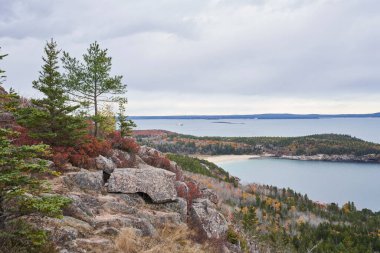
point(263, 116)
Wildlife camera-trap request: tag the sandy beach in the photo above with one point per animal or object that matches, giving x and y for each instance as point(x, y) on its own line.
point(227, 158)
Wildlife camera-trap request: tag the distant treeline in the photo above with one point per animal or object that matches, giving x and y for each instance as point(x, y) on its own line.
point(262, 116)
point(329, 144)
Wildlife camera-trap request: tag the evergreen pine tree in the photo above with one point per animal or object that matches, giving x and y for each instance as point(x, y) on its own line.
point(50, 118)
point(21, 193)
point(125, 124)
point(90, 83)
point(250, 219)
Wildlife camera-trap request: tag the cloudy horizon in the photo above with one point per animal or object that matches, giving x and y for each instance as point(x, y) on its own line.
point(205, 57)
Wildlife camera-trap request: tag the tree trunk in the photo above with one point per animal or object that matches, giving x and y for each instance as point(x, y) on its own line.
point(96, 111)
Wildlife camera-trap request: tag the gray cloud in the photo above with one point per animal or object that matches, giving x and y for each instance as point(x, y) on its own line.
point(293, 49)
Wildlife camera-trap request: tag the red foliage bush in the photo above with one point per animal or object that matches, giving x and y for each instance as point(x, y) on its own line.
point(156, 159)
point(94, 147)
point(160, 162)
point(127, 144)
point(84, 155)
point(23, 137)
point(61, 155)
point(130, 145)
point(181, 189)
point(193, 192)
point(188, 190)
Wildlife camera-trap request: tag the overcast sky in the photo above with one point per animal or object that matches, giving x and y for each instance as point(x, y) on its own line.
point(211, 56)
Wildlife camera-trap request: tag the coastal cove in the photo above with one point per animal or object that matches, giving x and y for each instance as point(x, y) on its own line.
point(322, 181)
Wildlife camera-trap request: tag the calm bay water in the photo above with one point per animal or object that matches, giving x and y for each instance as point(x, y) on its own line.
point(365, 128)
point(323, 181)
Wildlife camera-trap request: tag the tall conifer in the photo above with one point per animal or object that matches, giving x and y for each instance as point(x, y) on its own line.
point(90, 82)
point(50, 118)
point(125, 125)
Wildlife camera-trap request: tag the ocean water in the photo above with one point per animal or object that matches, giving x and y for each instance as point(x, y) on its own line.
point(365, 128)
point(323, 181)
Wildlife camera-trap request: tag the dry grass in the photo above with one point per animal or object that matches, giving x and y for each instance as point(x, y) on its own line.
point(171, 238)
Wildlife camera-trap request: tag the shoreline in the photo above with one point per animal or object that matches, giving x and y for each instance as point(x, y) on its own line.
point(227, 158)
point(322, 158)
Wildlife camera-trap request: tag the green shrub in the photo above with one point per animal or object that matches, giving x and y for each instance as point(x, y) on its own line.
point(235, 238)
point(24, 192)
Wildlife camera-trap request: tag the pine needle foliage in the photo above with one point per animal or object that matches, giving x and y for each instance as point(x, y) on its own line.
point(23, 192)
point(126, 125)
point(50, 119)
point(90, 82)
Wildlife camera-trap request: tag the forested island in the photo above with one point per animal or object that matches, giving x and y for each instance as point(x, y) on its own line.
point(324, 147)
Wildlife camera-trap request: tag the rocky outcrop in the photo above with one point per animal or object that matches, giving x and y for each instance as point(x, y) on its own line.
point(83, 206)
point(105, 164)
point(85, 180)
point(93, 244)
point(157, 218)
point(144, 198)
point(203, 214)
point(210, 195)
point(118, 222)
point(158, 184)
point(122, 159)
point(146, 153)
point(179, 206)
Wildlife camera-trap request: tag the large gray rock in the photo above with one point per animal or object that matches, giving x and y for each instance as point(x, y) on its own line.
point(105, 164)
point(158, 184)
point(122, 221)
point(68, 167)
point(210, 195)
point(85, 180)
point(93, 244)
point(145, 152)
point(118, 207)
point(204, 214)
point(159, 219)
point(151, 156)
point(83, 207)
point(62, 231)
point(122, 159)
point(179, 206)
